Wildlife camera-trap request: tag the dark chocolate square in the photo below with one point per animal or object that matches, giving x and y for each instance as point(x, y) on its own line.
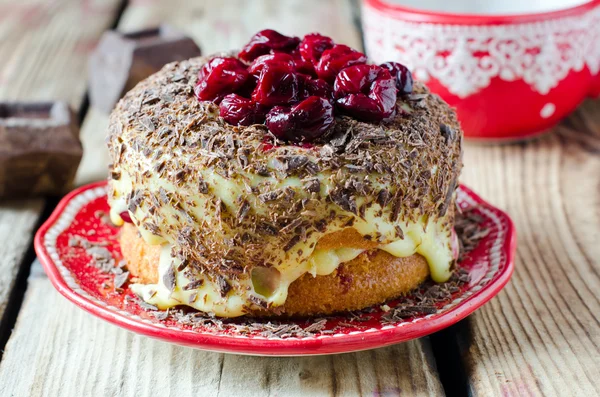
point(39, 149)
point(122, 60)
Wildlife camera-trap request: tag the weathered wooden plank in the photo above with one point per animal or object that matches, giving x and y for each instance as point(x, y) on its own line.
point(45, 44)
point(94, 163)
point(541, 336)
point(17, 221)
point(64, 346)
point(43, 48)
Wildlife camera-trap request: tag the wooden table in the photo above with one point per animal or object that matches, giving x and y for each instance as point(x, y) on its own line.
point(540, 336)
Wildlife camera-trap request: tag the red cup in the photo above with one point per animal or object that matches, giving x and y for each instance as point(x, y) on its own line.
point(509, 76)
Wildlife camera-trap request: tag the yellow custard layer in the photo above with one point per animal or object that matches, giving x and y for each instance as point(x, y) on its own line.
point(425, 237)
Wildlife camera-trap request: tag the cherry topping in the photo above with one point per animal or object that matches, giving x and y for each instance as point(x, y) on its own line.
point(303, 122)
point(366, 92)
point(296, 87)
point(403, 76)
point(264, 42)
point(248, 87)
point(303, 66)
point(237, 110)
point(337, 58)
point(313, 45)
point(219, 77)
point(277, 85)
point(316, 87)
point(280, 57)
point(126, 217)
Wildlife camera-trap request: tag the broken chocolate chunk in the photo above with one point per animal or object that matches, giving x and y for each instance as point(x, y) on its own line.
point(122, 60)
point(447, 132)
point(224, 285)
point(169, 279)
point(193, 284)
point(40, 149)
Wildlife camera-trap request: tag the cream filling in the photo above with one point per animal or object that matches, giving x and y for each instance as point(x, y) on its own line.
point(425, 237)
point(207, 297)
point(426, 241)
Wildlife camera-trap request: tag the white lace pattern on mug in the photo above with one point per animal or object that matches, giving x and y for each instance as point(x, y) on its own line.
point(465, 58)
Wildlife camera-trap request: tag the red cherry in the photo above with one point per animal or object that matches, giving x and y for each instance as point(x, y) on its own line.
point(313, 45)
point(314, 87)
point(126, 217)
point(355, 79)
point(237, 110)
point(248, 87)
point(303, 122)
point(403, 76)
point(277, 85)
point(264, 42)
point(259, 63)
point(219, 77)
point(301, 65)
point(337, 58)
point(366, 92)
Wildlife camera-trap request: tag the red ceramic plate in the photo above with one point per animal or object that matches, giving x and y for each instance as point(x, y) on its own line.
point(489, 266)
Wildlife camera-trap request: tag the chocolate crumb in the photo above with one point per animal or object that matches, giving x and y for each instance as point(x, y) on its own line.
point(312, 186)
point(161, 315)
point(121, 279)
point(447, 132)
point(193, 284)
point(224, 285)
point(293, 241)
point(145, 305)
point(169, 279)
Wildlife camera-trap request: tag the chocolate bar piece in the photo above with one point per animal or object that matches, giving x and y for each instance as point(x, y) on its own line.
point(39, 149)
point(121, 60)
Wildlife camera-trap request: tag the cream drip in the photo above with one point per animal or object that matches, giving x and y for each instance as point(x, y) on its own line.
point(426, 237)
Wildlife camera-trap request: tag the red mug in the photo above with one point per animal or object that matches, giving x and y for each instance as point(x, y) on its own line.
point(510, 76)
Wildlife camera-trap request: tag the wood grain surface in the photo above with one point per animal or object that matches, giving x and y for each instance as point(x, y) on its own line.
point(44, 47)
point(541, 335)
point(43, 53)
point(17, 223)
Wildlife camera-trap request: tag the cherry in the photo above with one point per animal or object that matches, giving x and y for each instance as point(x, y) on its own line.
point(313, 45)
point(303, 122)
point(248, 87)
point(292, 85)
point(403, 76)
point(303, 66)
point(259, 63)
point(126, 217)
point(366, 92)
point(337, 58)
point(237, 110)
point(264, 42)
point(219, 77)
point(314, 87)
point(277, 84)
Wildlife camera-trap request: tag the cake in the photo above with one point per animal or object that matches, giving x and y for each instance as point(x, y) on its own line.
point(286, 180)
